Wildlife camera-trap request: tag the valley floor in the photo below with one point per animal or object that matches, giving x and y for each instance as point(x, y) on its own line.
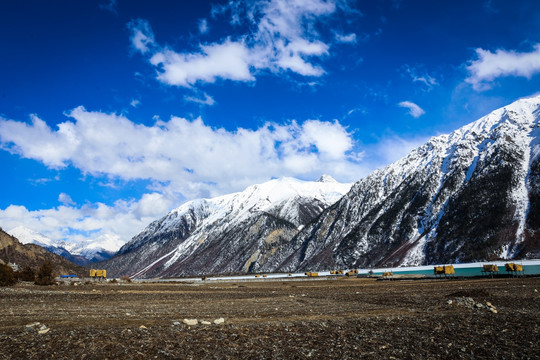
point(345, 318)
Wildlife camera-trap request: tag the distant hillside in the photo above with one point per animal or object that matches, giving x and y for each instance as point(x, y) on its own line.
point(13, 251)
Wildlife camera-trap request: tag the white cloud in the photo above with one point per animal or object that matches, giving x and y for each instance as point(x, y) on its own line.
point(204, 100)
point(229, 60)
point(349, 38)
point(330, 139)
point(194, 158)
point(65, 199)
point(135, 102)
point(283, 38)
point(492, 65)
point(360, 109)
point(108, 226)
point(424, 78)
point(37, 141)
point(142, 37)
point(414, 110)
point(203, 26)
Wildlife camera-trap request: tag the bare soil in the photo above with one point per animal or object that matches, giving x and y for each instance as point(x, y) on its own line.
point(320, 319)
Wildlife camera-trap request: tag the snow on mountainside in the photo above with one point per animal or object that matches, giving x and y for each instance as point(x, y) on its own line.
point(28, 236)
point(229, 233)
point(471, 195)
point(79, 253)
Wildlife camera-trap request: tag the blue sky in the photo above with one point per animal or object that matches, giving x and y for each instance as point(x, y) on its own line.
point(114, 112)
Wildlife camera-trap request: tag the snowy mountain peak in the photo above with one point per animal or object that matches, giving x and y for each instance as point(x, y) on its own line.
point(259, 198)
point(29, 236)
point(326, 178)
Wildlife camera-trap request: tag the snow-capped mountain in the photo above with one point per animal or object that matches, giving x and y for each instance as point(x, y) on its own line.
point(79, 253)
point(469, 196)
point(28, 236)
point(230, 233)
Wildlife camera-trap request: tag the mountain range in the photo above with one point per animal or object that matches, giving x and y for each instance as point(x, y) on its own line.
point(12, 251)
point(471, 195)
point(78, 253)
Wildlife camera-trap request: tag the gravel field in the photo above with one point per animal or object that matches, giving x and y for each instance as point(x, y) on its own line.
point(332, 319)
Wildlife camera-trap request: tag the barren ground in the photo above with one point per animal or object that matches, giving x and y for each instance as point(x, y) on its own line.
point(321, 319)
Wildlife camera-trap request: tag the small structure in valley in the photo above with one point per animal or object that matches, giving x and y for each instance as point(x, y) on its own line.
point(352, 272)
point(490, 269)
point(98, 274)
point(445, 270)
point(514, 269)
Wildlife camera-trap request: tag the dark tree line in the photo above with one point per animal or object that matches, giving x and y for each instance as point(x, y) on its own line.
point(44, 276)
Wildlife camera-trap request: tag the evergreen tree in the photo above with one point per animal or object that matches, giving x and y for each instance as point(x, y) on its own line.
point(45, 274)
point(7, 275)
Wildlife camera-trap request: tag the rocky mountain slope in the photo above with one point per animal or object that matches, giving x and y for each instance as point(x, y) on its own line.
point(232, 233)
point(78, 253)
point(13, 251)
point(472, 195)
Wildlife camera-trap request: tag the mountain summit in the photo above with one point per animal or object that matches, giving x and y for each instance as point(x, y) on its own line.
point(327, 178)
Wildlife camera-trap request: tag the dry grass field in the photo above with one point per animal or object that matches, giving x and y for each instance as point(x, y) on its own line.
point(320, 319)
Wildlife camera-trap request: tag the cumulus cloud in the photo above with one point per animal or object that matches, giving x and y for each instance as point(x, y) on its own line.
point(492, 65)
point(188, 155)
point(414, 110)
point(135, 102)
point(283, 37)
point(103, 225)
point(229, 60)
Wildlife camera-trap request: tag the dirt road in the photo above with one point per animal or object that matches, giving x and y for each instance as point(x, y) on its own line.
point(330, 319)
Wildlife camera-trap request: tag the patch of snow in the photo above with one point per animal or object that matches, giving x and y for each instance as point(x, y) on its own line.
point(326, 178)
point(29, 236)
